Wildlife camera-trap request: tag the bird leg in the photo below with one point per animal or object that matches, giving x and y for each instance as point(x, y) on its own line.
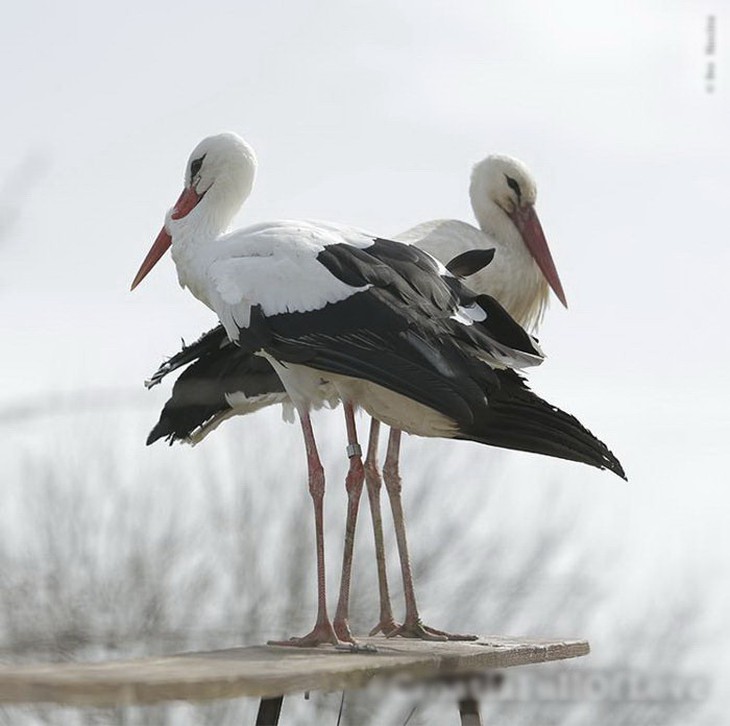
point(374, 484)
point(412, 626)
point(322, 631)
point(353, 485)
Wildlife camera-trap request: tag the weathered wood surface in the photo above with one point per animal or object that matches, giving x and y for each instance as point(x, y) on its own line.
point(265, 671)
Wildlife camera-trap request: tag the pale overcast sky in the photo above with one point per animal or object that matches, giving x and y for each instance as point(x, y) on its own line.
point(372, 113)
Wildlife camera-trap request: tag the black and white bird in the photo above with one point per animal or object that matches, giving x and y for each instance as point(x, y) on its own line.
point(503, 194)
point(344, 315)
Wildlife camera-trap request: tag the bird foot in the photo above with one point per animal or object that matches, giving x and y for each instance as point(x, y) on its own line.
point(386, 626)
point(321, 634)
point(423, 632)
point(342, 631)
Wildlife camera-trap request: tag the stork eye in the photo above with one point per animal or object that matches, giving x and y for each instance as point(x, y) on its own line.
point(195, 166)
point(514, 186)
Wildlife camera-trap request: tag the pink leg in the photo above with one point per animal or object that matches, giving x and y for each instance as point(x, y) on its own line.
point(322, 631)
point(353, 484)
point(374, 485)
point(412, 626)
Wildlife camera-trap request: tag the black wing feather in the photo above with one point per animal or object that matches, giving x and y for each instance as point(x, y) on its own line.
point(207, 343)
point(470, 262)
point(199, 394)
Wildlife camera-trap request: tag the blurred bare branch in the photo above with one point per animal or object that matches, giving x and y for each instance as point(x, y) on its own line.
point(15, 188)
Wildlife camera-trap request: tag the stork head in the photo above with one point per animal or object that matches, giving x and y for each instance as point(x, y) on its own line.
point(503, 180)
point(219, 177)
point(223, 165)
point(503, 193)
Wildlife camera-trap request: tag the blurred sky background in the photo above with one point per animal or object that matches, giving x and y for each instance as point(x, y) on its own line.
point(372, 113)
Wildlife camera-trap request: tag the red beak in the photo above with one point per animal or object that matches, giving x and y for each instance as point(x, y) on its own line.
point(527, 222)
point(183, 206)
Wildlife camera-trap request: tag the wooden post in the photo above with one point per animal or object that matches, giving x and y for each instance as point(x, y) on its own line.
point(269, 711)
point(469, 712)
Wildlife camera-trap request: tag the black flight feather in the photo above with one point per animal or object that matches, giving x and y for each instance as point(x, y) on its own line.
point(470, 262)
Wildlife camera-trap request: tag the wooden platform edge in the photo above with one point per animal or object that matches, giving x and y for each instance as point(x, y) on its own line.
point(263, 671)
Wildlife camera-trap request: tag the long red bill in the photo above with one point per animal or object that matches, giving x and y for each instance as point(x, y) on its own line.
point(160, 246)
point(183, 206)
point(527, 221)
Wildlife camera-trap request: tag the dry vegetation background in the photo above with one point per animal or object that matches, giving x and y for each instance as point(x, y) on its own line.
point(103, 558)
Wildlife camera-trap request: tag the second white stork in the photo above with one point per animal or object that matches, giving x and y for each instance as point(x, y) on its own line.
point(503, 194)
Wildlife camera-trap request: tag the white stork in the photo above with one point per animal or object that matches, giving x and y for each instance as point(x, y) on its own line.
point(503, 195)
point(341, 314)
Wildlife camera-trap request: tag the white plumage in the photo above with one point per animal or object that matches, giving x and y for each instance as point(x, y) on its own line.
point(514, 277)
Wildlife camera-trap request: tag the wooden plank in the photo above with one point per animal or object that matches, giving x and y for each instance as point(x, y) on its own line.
point(266, 671)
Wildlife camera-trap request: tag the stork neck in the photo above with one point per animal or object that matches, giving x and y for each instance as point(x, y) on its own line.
point(514, 277)
point(495, 223)
point(193, 241)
